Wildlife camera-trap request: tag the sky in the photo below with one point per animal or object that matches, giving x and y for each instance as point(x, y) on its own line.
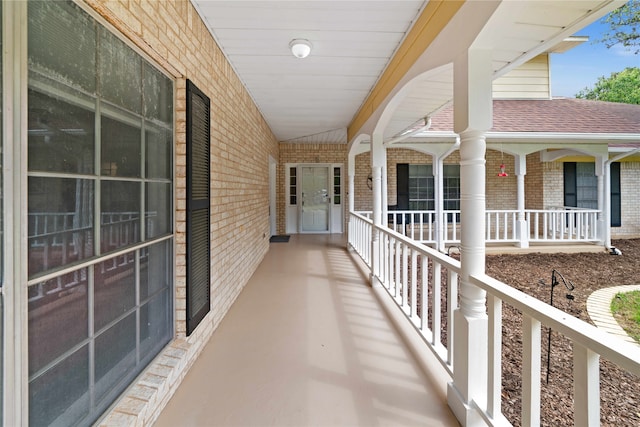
point(581, 66)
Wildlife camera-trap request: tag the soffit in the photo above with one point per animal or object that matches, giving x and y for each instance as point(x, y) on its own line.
point(311, 99)
point(516, 32)
point(314, 100)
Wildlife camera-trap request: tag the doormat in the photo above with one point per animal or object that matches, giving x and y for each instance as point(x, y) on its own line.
point(279, 239)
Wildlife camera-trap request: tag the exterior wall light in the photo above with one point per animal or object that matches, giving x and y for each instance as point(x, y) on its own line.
point(300, 48)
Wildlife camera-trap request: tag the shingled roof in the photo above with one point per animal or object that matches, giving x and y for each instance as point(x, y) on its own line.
point(559, 115)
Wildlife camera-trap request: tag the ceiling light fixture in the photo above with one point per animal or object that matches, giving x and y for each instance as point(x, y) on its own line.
point(300, 48)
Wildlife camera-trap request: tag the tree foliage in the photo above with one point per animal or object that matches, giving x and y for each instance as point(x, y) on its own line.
point(623, 86)
point(624, 27)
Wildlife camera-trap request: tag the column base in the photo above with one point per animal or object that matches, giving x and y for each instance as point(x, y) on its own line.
point(467, 415)
point(602, 234)
point(470, 369)
point(375, 282)
point(523, 234)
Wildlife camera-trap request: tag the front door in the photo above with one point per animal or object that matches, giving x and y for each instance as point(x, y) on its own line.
point(316, 199)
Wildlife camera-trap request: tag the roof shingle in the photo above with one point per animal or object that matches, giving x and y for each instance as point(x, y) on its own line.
point(559, 115)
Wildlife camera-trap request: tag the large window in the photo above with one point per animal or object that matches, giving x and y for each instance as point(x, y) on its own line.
point(421, 192)
point(581, 188)
point(417, 182)
point(99, 214)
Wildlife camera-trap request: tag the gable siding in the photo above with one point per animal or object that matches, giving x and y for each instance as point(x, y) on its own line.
point(529, 81)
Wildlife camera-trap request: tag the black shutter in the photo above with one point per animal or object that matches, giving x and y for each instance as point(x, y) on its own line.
point(616, 205)
point(403, 186)
point(570, 184)
point(198, 202)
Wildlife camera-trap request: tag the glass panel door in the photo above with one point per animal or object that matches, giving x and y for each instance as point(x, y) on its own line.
point(316, 199)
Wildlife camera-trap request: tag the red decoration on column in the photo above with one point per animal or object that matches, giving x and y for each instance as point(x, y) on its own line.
point(502, 172)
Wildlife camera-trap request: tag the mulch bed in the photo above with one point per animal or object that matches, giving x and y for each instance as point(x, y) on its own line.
point(619, 391)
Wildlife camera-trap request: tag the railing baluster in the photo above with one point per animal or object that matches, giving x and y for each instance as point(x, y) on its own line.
point(505, 221)
point(424, 294)
point(413, 304)
point(530, 371)
point(405, 276)
point(384, 256)
point(494, 386)
point(437, 295)
point(396, 276)
point(586, 383)
point(452, 304)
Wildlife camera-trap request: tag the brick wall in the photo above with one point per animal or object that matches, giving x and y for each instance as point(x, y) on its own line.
point(553, 184)
point(630, 202)
point(172, 34)
point(363, 199)
point(533, 183)
point(500, 190)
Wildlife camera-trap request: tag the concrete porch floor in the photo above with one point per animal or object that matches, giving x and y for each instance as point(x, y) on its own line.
point(307, 343)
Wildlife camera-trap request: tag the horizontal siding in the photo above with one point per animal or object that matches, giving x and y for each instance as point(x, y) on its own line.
point(529, 81)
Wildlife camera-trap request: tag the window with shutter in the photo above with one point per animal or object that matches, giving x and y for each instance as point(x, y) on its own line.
point(198, 206)
point(616, 210)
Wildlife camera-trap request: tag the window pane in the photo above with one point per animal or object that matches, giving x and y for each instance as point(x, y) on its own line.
point(120, 218)
point(60, 222)
point(59, 301)
point(158, 95)
point(155, 269)
point(155, 325)
point(120, 73)
point(61, 135)
point(115, 357)
point(62, 42)
point(60, 397)
point(586, 185)
point(158, 203)
point(158, 152)
point(114, 289)
point(121, 148)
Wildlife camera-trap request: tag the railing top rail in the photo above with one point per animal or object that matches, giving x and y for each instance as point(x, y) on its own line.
point(623, 354)
point(445, 260)
point(362, 217)
point(566, 208)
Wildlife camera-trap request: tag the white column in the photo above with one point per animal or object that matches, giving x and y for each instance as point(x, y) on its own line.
point(377, 165)
point(472, 117)
point(603, 170)
point(606, 206)
point(351, 174)
point(438, 179)
point(523, 230)
point(351, 171)
point(385, 187)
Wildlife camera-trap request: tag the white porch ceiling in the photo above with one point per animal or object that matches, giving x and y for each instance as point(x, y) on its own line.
point(311, 99)
point(314, 99)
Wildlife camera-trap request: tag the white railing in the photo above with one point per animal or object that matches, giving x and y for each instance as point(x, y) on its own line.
point(414, 276)
point(418, 225)
point(422, 282)
point(360, 236)
point(501, 226)
point(562, 224)
point(545, 225)
point(589, 343)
